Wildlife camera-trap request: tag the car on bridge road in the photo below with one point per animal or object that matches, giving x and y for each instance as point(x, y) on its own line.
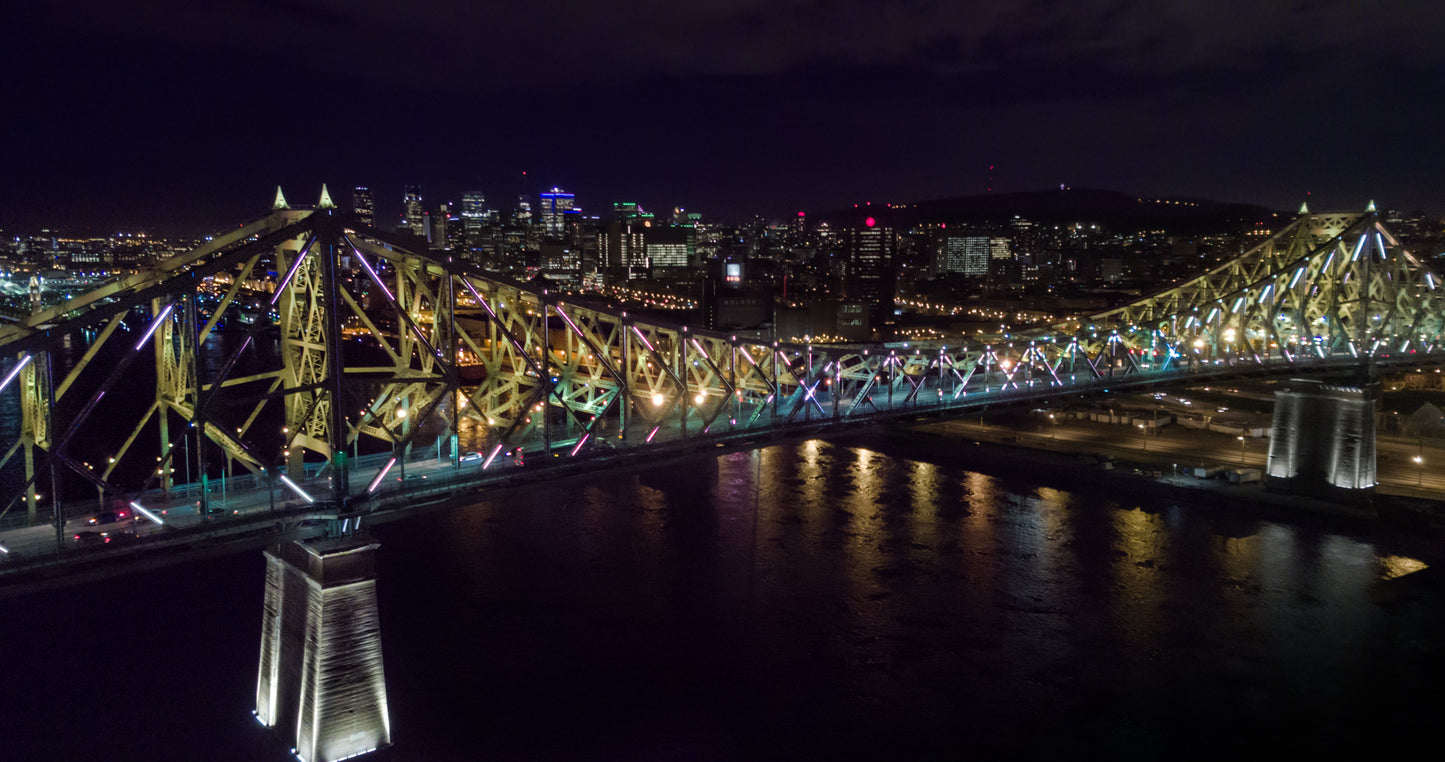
point(92, 537)
point(110, 517)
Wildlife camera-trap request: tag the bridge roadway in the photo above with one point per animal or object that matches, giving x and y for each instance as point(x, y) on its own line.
point(274, 508)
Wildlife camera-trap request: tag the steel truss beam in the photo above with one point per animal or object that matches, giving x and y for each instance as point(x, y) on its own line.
point(383, 346)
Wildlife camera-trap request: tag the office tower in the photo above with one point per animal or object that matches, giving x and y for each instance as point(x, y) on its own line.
point(552, 211)
point(629, 210)
point(474, 219)
point(363, 205)
point(1000, 248)
point(870, 264)
point(411, 211)
point(437, 229)
point(667, 247)
point(967, 255)
point(523, 215)
point(622, 245)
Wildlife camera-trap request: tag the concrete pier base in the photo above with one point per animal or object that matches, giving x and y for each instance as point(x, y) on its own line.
point(1322, 441)
point(320, 682)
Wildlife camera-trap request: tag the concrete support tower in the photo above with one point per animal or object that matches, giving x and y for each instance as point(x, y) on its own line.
point(1323, 439)
point(320, 682)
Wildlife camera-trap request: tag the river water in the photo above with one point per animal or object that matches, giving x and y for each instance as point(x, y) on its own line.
point(809, 600)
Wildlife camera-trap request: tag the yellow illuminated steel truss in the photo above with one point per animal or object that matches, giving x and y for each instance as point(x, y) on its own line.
point(379, 339)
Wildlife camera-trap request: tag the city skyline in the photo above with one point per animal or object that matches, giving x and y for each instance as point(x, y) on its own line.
point(175, 115)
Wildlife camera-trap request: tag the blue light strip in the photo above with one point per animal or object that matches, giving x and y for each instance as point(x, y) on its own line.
point(296, 489)
point(142, 511)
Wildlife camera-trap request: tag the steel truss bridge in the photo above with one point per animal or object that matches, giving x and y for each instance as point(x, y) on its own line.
point(386, 350)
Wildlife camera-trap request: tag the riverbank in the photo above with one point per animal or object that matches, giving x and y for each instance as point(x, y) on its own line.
point(1000, 450)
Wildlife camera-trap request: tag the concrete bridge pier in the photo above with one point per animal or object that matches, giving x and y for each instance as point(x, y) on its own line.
point(320, 682)
point(1322, 442)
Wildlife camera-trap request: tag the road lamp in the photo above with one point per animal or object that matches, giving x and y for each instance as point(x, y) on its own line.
point(1420, 467)
point(1144, 434)
point(1241, 449)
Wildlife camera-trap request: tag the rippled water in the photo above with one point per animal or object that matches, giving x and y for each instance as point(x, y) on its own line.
point(813, 600)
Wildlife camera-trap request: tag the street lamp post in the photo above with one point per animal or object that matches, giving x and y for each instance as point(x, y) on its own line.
point(1419, 464)
point(1241, 449)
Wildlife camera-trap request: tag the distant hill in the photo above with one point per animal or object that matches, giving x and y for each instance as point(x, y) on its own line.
point(1114, 209)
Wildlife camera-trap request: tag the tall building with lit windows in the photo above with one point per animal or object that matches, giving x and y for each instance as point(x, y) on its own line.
point(871, 247)
point(474, 219)
point(552, 209)
point(363, 205)
point(413, 216)
point(967, 255)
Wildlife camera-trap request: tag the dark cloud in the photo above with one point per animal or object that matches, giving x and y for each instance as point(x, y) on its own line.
point(748, 105)
point(609, 41)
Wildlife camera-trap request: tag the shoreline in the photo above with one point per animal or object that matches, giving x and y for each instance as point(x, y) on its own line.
point(1064, 470)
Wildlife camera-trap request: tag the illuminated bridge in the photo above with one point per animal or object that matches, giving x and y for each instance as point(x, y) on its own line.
point(359, 373)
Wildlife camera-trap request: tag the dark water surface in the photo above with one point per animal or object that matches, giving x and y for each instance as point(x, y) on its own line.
point(806, 601)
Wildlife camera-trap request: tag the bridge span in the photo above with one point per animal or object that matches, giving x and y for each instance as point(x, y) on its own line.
point(387, 351)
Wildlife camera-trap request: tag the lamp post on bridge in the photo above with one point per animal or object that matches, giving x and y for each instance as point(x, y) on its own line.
point(1241, 449)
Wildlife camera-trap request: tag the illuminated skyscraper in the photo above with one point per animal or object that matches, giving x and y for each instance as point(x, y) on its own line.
point(967, 255)
point(870, 267)
point(1000, 248)
point(555, 204)
point(413, 217)
point(363, 205)
point(667, 247)
point(474, 219)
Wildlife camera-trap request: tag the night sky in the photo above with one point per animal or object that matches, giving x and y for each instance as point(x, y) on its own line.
point(185, 114)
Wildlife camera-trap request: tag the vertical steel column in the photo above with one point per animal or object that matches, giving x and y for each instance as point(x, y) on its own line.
point(737, 400)
point(837, 385)
point(890, 378)
point(546, 379)
point(626, 391)
point(807, 376)
point(191, 339)
point(456, 383)
point(940, 376)
point(326, 229)
point(37, 425)
point(57, 509)
point(163, 411)
point(679, 364)
point(777, 381)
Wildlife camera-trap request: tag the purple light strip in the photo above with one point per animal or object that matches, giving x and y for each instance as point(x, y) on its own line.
point(14, 372)
point(280, 287)
point(154, 325)
point(374, 277)
point(382, 475)
point(645, 342)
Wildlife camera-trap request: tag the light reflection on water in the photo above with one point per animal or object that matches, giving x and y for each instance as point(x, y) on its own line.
point(817, 600)
point(824, 600)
